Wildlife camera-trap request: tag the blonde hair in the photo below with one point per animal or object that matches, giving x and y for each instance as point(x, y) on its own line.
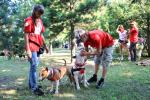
point(120, 26)
point(134, 23)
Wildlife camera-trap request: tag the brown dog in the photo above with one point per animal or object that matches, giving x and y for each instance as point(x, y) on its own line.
point(54, 75)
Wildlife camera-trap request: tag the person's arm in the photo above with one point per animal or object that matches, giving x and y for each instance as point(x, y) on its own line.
point(26, 38)
point(126, 37)
point(97, 51)
point(117, 30)
point(86, 49)
point(44, 43)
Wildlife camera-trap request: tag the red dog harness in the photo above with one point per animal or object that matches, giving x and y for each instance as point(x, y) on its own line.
point(56, 74)
point(79, 68)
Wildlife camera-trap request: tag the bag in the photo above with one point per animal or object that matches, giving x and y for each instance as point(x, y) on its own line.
point(41, 49)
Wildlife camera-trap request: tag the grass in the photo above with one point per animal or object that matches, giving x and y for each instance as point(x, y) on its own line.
point(125, 81)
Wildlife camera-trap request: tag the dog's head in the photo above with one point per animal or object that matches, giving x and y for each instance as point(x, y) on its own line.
point(43, 73)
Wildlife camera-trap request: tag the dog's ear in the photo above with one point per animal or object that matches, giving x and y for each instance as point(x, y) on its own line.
point(46, 68)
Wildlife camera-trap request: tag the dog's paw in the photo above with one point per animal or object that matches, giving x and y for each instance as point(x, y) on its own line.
point(87, 83)
point(78, 88)
point(86, 86)
point(56, 92)
point(51, 91)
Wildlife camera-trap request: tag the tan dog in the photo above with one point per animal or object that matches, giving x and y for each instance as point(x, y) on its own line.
point(54, 75)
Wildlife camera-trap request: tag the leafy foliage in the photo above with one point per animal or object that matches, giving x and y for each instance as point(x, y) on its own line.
point(61, 17)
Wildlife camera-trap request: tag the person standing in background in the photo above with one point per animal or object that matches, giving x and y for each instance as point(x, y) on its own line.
point(122, 39)
point(133, 36)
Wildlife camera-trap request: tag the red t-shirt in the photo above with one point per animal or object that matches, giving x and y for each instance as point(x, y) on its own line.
point(97, 38)
point(134, 35)
point(34, 32)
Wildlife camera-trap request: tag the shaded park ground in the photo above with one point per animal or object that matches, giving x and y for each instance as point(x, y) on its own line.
point(125, 81)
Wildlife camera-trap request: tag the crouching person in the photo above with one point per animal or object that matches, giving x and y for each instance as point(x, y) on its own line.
point(102, 42)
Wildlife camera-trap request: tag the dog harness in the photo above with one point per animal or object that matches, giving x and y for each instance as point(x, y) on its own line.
point(56, 73)
point(82, 70)
point(79, 64)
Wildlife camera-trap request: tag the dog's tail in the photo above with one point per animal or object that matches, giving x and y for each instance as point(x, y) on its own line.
point(65, 62)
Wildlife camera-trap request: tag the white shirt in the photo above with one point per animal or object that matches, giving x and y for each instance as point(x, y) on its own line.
point(123, 35)
point(38, 28)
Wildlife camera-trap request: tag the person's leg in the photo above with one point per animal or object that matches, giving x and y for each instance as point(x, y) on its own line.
point(121, 50)
point(104, 72)
point(97, 61)
point(96, 69)
point(131, 51)
point(134, 52)
point(33, 76)
point(106, 60)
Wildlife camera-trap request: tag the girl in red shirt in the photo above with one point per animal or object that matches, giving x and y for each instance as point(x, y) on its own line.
point(34, 39)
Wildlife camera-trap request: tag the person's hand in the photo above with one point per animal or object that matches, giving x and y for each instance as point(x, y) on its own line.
point(29, 55)
point(47, 50)
point(84, 53)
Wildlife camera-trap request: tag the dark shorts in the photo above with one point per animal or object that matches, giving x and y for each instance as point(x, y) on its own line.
point(123, 41)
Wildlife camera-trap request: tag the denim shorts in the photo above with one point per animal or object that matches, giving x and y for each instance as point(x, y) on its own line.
point(105, 58)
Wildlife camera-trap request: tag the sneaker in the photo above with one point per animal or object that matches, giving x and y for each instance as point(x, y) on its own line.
point(100, 83)
point(38, 92)
point(121, 58)
point(39, 86)
point(93, 79)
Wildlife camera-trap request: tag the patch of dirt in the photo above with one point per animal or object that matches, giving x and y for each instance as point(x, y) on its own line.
point(145, 62)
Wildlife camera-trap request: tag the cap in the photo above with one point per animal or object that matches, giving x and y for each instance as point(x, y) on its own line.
point(79, 32)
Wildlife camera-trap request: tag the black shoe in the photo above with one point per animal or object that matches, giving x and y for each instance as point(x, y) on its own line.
point(38, 92)
point(93, 79)
point(39, 86)
point(100, 83)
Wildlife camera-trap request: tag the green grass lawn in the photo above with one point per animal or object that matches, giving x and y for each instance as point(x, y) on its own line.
point(125, 81)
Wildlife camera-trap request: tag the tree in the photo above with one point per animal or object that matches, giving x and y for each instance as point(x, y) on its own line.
point(65, 14)
point(11, 23)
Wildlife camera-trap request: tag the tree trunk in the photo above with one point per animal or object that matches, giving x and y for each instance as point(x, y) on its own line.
point(148, 34)
point(50, 48)
point(72, 47)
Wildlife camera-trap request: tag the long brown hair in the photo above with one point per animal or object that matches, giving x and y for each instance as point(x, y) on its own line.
point(37, 8)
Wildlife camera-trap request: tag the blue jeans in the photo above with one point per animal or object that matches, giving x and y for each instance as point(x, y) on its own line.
point(32, 73)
